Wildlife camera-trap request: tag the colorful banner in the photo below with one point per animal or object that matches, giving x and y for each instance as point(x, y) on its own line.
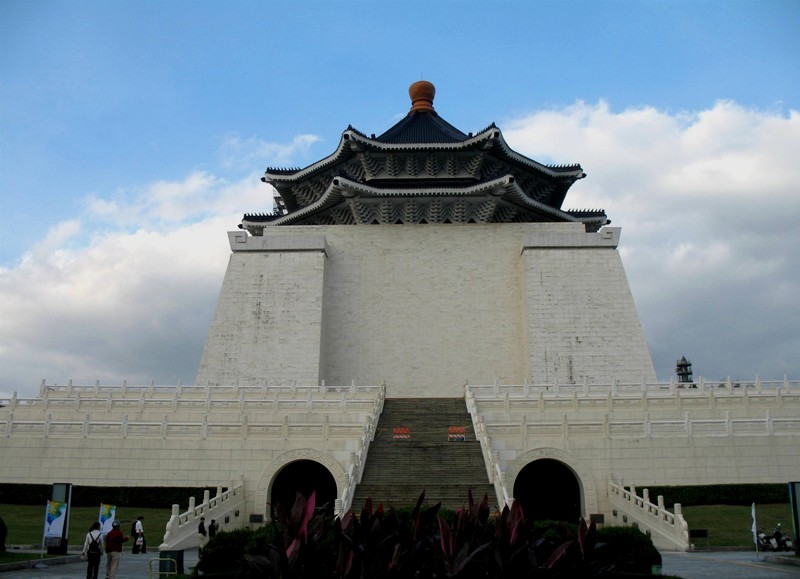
point(754, 528)
point(107, 515)
point(54, 518)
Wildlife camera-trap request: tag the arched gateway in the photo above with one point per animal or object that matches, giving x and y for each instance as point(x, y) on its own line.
point(547, 489)
point(302, 471)
point(552, 484)
point(304, 477)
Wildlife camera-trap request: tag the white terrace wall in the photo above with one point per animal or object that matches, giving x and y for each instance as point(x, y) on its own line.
point(640, 434)
point(425, 308)
point(187, 436)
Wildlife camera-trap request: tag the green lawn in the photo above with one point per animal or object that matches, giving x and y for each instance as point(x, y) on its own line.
point(730, 526)
point(26, 523)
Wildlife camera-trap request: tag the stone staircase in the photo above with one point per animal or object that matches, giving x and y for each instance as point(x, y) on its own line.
point(412, 451)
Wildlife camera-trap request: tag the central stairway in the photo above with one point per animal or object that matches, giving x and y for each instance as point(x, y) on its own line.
point(424, 444)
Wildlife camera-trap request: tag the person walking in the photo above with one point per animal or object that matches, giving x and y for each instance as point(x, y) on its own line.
point(114, 541)
point(202, 534)
point(212, 529)
point(93, 550)
point(139, 542)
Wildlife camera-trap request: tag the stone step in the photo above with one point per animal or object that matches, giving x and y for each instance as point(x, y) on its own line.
point(397, 470)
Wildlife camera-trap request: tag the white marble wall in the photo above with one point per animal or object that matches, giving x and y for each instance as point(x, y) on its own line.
point(425, 308)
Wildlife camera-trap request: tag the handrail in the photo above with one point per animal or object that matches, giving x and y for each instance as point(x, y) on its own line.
point(670, 527)
point(358, 458)
point(701, 386)
point(181, 529)
point(493, 470)
point(648, 427)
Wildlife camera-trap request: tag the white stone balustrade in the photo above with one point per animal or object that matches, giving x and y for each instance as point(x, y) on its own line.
point(493, 470)
point(358, 458)
point(226, 508)
point(669, 531)
point(128, 411)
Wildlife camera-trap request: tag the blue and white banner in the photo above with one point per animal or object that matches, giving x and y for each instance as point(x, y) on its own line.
point(54, 518)
point(107, 515)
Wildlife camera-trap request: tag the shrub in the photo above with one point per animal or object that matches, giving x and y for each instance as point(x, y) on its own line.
point(627, 550)
point(305, 542)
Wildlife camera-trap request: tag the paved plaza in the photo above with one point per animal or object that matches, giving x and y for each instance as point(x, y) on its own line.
point(697, 565)
point(130, 567)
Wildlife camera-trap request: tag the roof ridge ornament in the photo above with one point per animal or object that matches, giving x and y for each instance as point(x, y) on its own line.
point(422, 94)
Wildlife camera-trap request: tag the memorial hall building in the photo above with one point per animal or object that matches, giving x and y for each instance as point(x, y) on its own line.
point(419, 312)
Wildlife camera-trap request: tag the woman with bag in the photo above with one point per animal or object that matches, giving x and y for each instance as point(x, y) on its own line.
point(93, 550)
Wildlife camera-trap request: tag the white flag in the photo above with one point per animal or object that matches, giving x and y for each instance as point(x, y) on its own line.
point(755, 529)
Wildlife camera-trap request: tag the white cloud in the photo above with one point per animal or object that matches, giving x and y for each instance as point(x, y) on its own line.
point(708, 206)
point(125, 292)
point(238, 152)
point(707, 201)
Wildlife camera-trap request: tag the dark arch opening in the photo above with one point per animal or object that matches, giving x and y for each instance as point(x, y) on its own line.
point(304, 477)
point(548, 489)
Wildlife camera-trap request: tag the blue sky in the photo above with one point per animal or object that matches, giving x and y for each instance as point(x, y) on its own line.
point(132, 136)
